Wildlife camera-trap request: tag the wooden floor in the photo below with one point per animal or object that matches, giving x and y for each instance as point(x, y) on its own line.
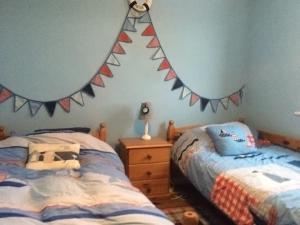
point(187, 196)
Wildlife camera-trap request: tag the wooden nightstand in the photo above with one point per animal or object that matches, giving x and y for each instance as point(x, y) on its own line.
point(147, 164)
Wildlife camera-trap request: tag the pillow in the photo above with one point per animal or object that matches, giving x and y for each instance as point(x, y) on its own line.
point(53, 156)
point(196, 137)
point(232, 139)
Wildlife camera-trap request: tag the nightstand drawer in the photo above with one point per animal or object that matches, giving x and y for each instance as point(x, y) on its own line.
point(149, 155)
point(153, 187)
point(148, 171)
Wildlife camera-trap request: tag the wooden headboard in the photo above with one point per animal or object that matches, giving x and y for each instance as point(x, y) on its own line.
point(173, 133)
point(100, 133)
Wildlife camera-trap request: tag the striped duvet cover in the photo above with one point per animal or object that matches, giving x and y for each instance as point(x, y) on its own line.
point(97, 193)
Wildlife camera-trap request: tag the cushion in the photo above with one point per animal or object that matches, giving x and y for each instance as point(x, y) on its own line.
point(196, 138)
point(232, 139)
point(53, 156)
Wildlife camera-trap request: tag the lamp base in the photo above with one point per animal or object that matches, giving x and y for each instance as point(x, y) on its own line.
point(146, 137)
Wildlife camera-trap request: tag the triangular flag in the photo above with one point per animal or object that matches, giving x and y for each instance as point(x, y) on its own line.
point(225, 102)
point(4, 94)
point(88, 90)
point(185, 92)
point(178, 84)
point(154, 43)
point(128, 26)
point(214, 103)
point(34, 107)
point(50, 107)
point(159, 54)
point(123, 37)
point(204, 102)
point(97, 80)
point(164, 65)
point(112, 60)
point(194, 98)
point(77, 97)
point(145, 19)
point(19, 102)
point(118, 49)
point(171, 75)
point(149, 31)
point(235, 98)
point(104, 70)
point(65, 104)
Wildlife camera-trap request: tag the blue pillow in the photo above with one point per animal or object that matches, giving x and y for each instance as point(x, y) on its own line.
point(232, 139)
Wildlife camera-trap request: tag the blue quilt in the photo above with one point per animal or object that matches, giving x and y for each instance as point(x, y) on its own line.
point(97, 193)
point(202, 165)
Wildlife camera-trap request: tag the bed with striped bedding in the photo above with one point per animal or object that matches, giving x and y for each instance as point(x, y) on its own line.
point(97, 193)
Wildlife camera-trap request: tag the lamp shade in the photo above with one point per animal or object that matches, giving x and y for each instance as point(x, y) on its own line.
point(145, 111)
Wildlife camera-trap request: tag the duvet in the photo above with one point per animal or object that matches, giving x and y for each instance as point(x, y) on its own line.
point(265, 184)
point(97, 193)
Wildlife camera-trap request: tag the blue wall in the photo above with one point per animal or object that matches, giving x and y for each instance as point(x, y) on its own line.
point(274, 66)
point(49, 49)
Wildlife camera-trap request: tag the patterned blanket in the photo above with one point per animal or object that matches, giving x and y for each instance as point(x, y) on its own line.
point(97, 193)
point(238, 191)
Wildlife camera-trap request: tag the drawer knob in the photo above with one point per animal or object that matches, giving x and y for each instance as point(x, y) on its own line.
point(148, 190)
point(149, 173)
point(149, 157)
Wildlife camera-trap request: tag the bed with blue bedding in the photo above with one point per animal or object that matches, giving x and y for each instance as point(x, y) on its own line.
point(264, 183)
point(96, 193)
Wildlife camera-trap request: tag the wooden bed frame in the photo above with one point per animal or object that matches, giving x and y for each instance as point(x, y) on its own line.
point(173, 133)
point(100, 133)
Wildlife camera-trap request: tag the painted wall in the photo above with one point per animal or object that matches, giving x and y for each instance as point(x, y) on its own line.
point(274, 66)
point(49, 49)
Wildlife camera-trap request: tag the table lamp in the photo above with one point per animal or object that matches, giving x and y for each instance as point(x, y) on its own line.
point(146, 114)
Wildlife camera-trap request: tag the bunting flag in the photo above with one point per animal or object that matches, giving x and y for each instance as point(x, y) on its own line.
point(225, 103)
point(65, 104)
point(50, 107)
point(19, 102)
point(235, 97)
point(34, 107)
point(96, 80)
point(185, 92)
point(194, 98)
point(204, 102)
point(214, 103)
point(112, 60)
point(159, 54)
point(171, 75)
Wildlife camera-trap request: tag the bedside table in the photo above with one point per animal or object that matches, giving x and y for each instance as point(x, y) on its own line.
point(147, 164)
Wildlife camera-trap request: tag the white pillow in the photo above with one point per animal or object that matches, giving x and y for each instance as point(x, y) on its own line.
point(53, 156)
point(196, 137)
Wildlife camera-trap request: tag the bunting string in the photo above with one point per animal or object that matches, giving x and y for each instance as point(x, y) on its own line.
point(77, 97)
point(159, 54)
point(129, 25)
